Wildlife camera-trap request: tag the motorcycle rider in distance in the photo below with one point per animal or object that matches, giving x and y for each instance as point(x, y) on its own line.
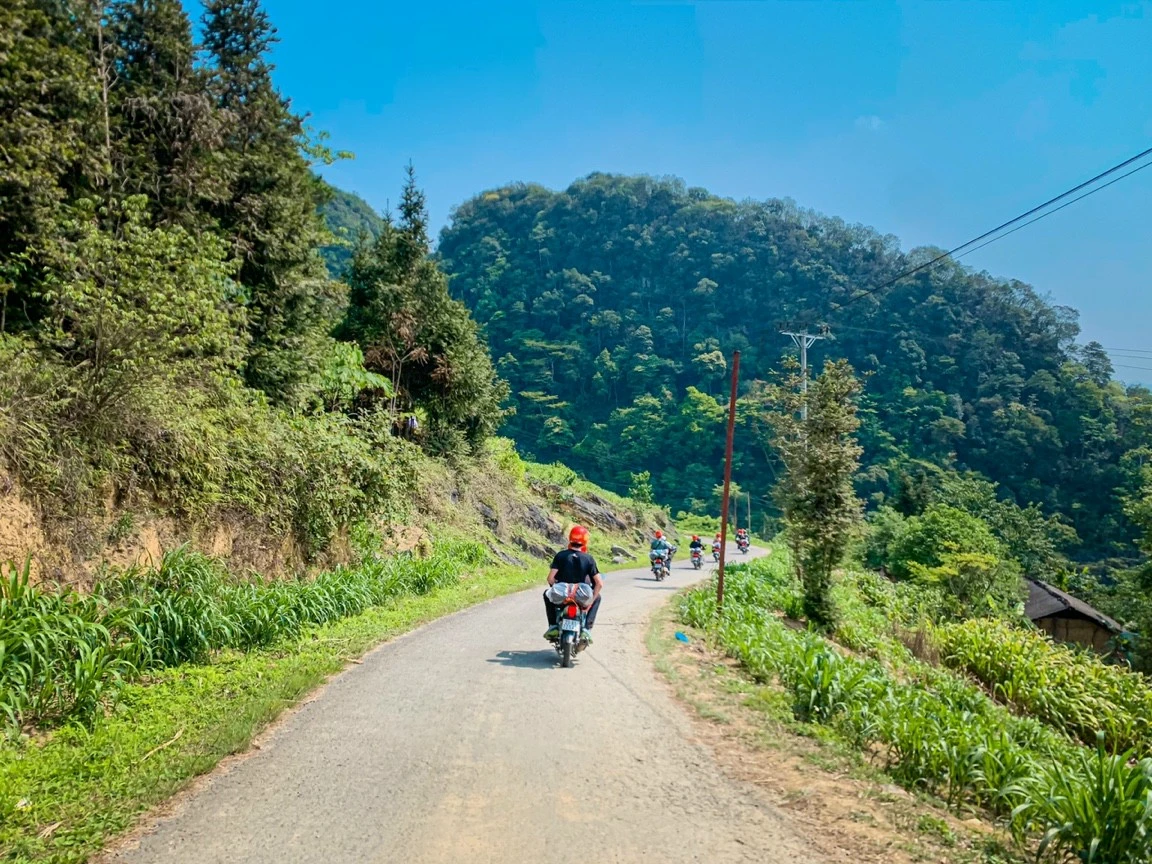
point(696, 551)
point(661, 547)
point(574, 565)
point(716, 544)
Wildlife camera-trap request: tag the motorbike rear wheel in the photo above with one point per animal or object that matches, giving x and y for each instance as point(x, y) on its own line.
point(567, 649)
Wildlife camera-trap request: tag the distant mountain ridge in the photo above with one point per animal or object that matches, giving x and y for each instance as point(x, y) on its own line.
point(348, 217)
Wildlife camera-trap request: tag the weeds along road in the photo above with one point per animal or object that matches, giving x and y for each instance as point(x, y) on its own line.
point(464, 741)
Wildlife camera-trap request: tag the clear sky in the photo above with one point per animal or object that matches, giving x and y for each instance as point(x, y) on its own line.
point(931, 121)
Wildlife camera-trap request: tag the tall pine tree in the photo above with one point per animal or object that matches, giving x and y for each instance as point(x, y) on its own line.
point(269, 214)
point(49, 107)
point(413, 332)
point(166, 128)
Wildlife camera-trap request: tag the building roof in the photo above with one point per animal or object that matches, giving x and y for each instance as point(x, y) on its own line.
point(1045, 600)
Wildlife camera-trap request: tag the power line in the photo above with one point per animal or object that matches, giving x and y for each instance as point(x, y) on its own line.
point(1057, 209)
point(995, 231)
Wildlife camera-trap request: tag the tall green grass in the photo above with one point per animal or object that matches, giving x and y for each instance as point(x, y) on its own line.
point(63, 655)
point(935, 732)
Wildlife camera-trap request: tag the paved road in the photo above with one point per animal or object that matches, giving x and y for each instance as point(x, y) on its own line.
point(464, 741)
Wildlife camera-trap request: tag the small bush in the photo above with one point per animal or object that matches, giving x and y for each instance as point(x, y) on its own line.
point(939, 531)
point(976, 585)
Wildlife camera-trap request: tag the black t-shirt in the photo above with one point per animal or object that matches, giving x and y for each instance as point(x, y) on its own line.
point(695, 544)
point(575, 567)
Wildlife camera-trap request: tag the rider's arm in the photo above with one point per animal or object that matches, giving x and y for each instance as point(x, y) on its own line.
point(552, 576)
point(597, 585)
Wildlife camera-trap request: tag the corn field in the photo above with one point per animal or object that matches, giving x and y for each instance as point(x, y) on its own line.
point(939, 733)
point(64, 654)
point(1070, 689)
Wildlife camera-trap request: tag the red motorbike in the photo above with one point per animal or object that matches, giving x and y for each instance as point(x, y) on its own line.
point(572, 601)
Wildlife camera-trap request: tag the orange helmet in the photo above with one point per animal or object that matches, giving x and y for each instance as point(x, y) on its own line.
point(659, 535)
point(717, 535)
point(695, 536)
point(578, 536)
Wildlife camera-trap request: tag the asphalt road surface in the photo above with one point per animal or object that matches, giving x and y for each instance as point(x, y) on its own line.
point(465, 742)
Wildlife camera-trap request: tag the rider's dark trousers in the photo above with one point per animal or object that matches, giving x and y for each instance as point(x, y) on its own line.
point(589, 618)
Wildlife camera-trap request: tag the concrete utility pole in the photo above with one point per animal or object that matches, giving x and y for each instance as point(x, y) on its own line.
point(804, 340)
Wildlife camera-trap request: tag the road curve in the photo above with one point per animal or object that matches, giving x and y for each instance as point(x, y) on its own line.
point(464, 742)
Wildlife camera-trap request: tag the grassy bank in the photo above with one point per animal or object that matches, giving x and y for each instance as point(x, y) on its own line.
point(851, 810)
point(64, 794)
point(929, 730)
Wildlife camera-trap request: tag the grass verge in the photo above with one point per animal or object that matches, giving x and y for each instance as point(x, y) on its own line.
point(64, 796)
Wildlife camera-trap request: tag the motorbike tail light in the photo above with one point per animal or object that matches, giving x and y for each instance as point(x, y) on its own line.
point(570, 611)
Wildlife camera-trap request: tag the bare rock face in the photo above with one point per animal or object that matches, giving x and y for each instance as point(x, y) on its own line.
point(533, 549)
point(597, 512)
point(623, 554)
point(541, 521)
point(490, 517)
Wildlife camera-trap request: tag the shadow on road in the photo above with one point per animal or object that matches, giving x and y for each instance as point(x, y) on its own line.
point(545, 659)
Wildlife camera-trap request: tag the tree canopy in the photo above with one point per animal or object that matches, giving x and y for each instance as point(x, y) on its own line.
point(611, 308)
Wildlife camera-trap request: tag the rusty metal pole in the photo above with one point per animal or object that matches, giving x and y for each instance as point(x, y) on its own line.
point(727, 483)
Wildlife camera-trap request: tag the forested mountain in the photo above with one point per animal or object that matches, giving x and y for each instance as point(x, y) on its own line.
point(350, 218)
point(612, 307)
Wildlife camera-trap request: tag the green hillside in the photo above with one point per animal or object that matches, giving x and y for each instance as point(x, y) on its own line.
point(612, 307)
point(350, 218)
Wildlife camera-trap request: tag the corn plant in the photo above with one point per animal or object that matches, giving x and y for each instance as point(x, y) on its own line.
point(63, 655)
point(1095, 807)
point(941, 733)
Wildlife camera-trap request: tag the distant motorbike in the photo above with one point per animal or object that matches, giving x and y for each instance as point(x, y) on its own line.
point(697, 558)
point(659, 565)
point(572, 602)
point(716, 554)
point(742, 545)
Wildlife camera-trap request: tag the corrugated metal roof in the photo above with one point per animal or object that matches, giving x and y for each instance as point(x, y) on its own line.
point(1045, 600)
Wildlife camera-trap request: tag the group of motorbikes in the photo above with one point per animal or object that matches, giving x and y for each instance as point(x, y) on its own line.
point(573, 600)
point(661, 559)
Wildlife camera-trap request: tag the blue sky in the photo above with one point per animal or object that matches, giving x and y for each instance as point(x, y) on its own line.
point(930, 121)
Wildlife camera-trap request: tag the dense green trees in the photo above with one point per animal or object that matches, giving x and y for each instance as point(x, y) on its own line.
point(350, 218)
point(611, 308)
point(415, 334)
point(167, 320)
